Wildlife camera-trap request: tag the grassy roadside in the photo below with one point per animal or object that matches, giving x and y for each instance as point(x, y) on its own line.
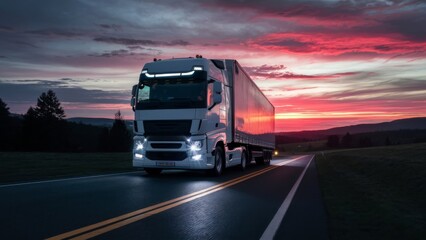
point(31, 166)
point(375, 193)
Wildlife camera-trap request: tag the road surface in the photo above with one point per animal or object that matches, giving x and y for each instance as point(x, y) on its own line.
point(280, 201)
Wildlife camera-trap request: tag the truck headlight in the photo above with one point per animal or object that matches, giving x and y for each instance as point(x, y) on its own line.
point(138, 145)
point(195, 145)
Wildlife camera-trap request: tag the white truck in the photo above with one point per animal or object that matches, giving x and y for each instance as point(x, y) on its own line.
point(200, 114)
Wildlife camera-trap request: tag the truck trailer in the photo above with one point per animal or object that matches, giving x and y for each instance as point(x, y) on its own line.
point(200, 114)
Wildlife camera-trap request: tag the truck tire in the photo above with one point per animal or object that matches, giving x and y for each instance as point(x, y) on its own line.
point(243, 161)
point(153, 171)
point(218, 162)
point(268, 157)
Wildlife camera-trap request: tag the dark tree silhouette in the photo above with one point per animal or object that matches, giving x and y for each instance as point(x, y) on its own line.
point(4, 110)
point(388, 141)
point(7, 130)
point(48, 107)
point(44, 126)
point(103, 140)
point(347, 140)
point(333, 141)
point(119, 135)
point(365, 142)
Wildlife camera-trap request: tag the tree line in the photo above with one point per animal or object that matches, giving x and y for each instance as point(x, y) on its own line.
point(44, 128)
point(379, 138)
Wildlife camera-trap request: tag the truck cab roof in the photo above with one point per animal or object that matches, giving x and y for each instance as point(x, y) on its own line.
point(177, 65)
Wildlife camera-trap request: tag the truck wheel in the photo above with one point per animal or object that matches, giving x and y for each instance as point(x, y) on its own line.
point(268, 158)
point(153, 171)
point(243, 161)
point(218, 162)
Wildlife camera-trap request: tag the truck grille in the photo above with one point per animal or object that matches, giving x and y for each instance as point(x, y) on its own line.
point(167, 127)
point(170, 156)
point(166, 145)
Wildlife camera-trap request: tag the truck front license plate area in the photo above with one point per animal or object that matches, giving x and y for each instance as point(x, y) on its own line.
point(165, 164)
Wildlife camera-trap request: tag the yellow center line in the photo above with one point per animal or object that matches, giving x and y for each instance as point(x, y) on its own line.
point(117, 222)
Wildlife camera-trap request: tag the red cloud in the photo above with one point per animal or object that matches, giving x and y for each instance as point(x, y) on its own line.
point(276, 72)
point(335, 44)
point(320, 112)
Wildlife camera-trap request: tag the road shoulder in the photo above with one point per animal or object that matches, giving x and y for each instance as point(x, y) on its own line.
point(306, 217)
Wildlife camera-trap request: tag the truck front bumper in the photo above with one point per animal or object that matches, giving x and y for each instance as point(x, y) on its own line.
point(171, 154)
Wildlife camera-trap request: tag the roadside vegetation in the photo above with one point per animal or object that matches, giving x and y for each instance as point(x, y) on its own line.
point(348, 140)
point(44, 129)
point(375, 193)
point(24, 166)
point(41, 144)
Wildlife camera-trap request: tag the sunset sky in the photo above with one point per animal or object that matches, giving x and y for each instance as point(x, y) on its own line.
point(321, 63)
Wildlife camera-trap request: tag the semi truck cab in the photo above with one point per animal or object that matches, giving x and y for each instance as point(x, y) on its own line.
point(185, 118)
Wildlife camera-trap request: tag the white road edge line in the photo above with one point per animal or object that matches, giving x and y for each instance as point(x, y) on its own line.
point(67, 179)
point(273, 226)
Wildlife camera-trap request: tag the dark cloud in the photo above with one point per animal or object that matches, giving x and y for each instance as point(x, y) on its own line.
point(143, 42)
point(400, 89)
point(406, 18)
point(114, 27)
point(264, 70)
point(6, 29)
point(25, 43)
point(411, 24)
point(291, 44)
point(54, 33)
point(28, 91)
point(118, 53)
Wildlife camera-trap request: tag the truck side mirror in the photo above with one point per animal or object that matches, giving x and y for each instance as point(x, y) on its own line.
point(217, 98)
point(133, 103)
point(217, 87)
point(134, 90)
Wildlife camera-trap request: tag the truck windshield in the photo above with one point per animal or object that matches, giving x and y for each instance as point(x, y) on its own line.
point(171, 94)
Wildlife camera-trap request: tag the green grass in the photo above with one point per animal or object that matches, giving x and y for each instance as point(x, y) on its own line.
point(31, 166)
point(375, 193)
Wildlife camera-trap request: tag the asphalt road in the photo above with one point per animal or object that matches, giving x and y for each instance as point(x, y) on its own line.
point(280, 201)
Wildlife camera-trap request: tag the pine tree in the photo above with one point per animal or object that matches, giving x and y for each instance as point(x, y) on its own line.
point(49, 107)
point(6, 132)
point(4, 110)
point(44, 125)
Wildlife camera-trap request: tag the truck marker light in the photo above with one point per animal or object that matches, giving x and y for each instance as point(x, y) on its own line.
point(144, 71)
point(188, 73)
point(137, 155)
point(196, 157)
point(167, 75)
point(198, 68)
point(149, 75)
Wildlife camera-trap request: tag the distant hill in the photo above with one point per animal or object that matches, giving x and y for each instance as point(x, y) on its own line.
point(401, 124)
point(101, 122)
